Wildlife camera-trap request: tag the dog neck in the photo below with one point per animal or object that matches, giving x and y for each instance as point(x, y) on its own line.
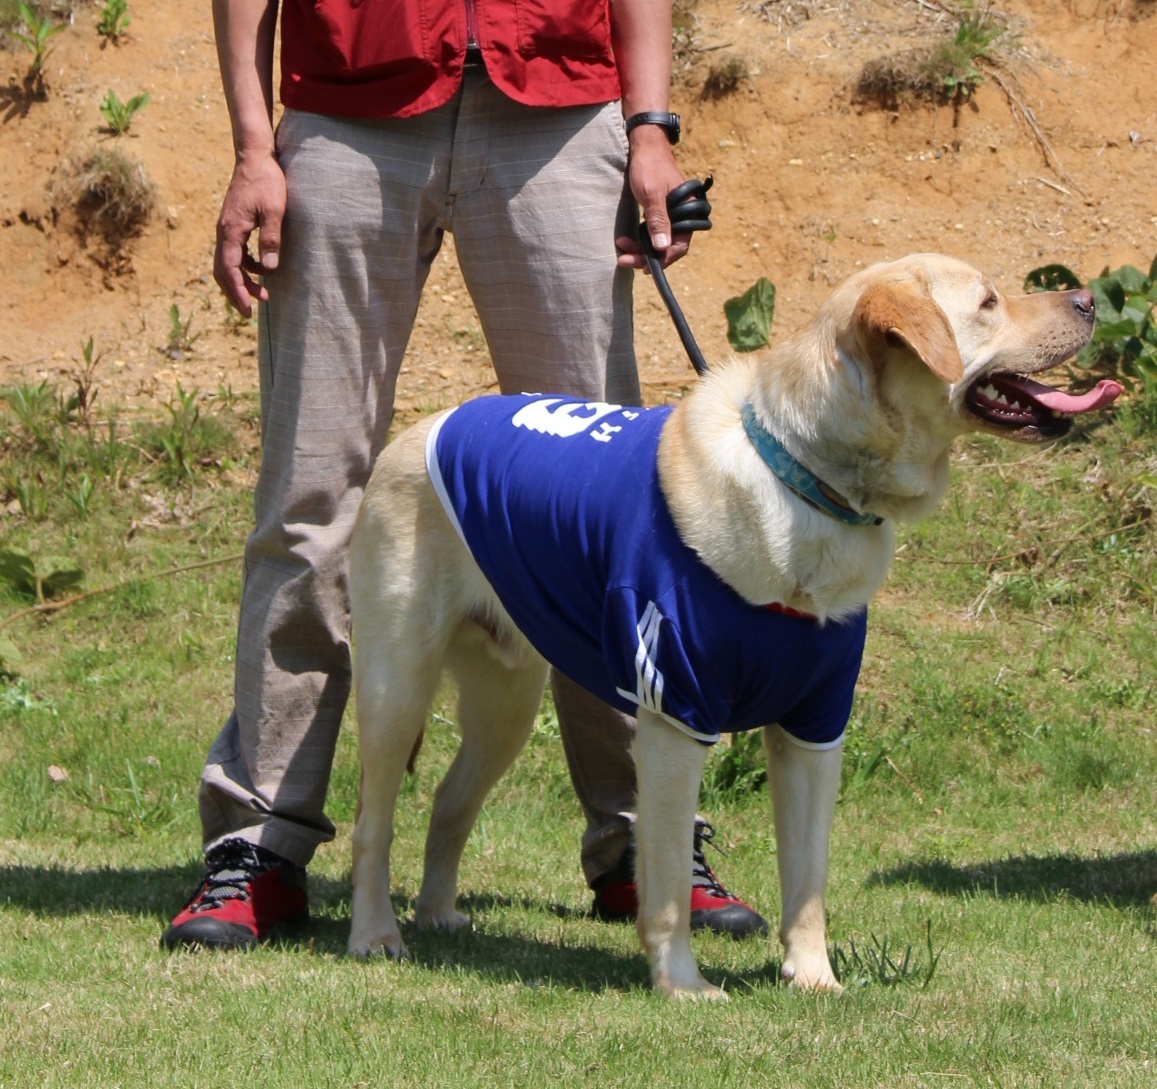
point(798, 479)
point(756, 535)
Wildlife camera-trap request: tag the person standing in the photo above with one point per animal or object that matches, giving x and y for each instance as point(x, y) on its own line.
point(529, 131)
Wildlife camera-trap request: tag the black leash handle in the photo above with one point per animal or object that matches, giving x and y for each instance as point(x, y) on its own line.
point(688, 210)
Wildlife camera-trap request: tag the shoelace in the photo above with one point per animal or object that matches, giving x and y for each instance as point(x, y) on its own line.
point(702, 876)
point(230, 868)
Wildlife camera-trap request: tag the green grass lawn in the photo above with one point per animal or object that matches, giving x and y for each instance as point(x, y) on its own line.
point(994, 855)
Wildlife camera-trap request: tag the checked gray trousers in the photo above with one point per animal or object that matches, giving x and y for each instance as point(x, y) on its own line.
point(533, 197)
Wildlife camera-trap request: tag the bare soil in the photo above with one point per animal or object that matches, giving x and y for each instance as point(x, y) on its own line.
point(1052, 160)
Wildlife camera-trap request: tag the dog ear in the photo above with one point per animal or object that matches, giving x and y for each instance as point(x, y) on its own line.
point(904, 312)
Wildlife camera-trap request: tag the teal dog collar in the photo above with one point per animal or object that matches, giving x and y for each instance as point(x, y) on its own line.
point(804, 483)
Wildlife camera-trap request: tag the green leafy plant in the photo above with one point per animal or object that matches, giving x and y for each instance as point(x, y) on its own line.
point(948, 72)
point(10, 661)
point(84, 378)
point(178, 440)
point(1125, 336)
point(80, 497)
point(736, 770)
point(32, 497)
point(119, 115)
point(876, 963)
point(189, 438)
point(40, 30)
point(39, 577)
point(749, 316)
point(953, 64)
point(114, 20)
point(18, 698)
point(131, 810)
point(33, 406)
point(179, 341)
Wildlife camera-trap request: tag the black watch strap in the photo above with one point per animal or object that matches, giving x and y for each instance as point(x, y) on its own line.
point(669, 122)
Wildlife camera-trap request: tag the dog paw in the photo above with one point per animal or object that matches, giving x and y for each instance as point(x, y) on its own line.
point(448, 922)
point(697, 990)
point(809, 974)
point(391, 947)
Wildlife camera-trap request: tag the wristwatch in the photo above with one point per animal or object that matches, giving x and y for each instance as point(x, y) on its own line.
point(669, 122)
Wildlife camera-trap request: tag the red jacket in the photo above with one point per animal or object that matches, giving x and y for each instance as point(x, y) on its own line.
point(397, 58)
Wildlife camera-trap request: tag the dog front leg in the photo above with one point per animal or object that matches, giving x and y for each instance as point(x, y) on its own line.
point(804, 783)
point(669, 767)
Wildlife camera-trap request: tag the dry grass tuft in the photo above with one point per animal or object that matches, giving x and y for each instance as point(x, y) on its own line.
point(725, 77)
point(110, 194)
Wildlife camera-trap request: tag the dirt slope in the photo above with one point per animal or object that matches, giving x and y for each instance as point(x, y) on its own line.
point(1053, 160)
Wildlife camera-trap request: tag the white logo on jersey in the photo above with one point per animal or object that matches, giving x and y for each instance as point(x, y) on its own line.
point(573, 418)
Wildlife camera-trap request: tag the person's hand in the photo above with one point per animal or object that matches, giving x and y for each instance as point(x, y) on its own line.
point(254, 201)
point(653, 173)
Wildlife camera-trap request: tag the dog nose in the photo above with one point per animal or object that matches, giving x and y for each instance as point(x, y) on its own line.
point(1083, 302)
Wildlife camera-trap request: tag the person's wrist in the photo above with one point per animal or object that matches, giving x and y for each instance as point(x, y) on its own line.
point(655, 120)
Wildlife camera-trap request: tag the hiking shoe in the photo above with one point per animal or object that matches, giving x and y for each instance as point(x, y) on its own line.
point(246, 892)
point(712, 906)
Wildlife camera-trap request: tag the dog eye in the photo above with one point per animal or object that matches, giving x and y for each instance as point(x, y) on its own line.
point(989, 301)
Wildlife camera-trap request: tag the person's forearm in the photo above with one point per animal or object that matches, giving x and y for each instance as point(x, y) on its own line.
point(641, 35)
point(245, 31)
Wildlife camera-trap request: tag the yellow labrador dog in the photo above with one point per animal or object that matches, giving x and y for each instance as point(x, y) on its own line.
point(706, 567)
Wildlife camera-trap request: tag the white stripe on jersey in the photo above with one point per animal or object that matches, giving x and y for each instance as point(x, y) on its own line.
point(649, 682)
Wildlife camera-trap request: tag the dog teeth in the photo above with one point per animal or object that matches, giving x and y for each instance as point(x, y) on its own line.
point(991, 393)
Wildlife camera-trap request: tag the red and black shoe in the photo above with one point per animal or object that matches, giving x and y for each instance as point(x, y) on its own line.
point(712, 906)
point(246, 892)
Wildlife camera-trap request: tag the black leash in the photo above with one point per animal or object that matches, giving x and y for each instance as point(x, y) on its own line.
point(689, 210)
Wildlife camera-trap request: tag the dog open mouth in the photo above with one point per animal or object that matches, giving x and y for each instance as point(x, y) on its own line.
point(1016, 403)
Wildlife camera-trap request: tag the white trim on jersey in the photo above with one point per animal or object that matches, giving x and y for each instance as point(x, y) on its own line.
point(434, 471)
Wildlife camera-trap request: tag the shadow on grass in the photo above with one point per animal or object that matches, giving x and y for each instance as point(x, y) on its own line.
point(64, 890)
point(1121, 880)
point(58, 892)
point(530, 961)
point(562, 960)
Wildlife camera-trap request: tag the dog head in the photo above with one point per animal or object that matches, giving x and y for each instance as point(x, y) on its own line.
point(986, 346)
point(905, 356)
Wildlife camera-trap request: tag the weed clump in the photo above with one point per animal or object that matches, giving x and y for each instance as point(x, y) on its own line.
point(109, 193)
point(947, 72)
point(887, 82)
point(725, 78)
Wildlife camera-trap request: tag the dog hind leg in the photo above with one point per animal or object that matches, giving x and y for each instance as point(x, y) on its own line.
point(497, 703)
point(804, 784)
point(393, 698)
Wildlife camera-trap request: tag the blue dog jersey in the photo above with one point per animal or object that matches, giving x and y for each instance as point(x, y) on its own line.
point(558, 501)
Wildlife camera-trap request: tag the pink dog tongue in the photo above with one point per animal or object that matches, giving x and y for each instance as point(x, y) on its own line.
point(1104, 393)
